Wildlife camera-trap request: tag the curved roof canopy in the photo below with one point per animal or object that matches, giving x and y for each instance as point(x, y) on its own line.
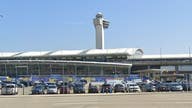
point(119, 51)
point(126, 51)
point(67, 62)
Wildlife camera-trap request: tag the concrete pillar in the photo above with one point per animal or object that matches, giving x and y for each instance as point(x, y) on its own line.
point(102, 71)
point(177, 69)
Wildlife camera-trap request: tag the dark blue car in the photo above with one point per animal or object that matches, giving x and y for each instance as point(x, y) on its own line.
point(106, 88)
point(38, 90)
point(78, 88)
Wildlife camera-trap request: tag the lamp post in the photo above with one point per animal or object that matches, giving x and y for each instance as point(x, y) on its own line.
point(63, 72)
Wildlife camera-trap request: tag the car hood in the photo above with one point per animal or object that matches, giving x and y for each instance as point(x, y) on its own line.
point(52, 89)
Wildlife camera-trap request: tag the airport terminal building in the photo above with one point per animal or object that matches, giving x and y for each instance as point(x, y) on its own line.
point(93, 62)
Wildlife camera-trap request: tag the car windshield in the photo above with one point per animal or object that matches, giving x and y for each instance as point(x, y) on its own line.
point(10, 86)
point(175, 84)
point(51, 83)
point(132, 85)
point(52, 87)
point(118, 85)
point(78, 85)
point(106, 85)
point(38, 87)
point(93, 86)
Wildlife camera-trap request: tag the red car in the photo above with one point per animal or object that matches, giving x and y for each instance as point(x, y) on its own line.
point(64, 90)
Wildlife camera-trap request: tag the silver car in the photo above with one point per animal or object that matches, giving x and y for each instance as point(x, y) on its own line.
point(133, 87)
point(9, 89)
point(52, 89)
point(176, 87)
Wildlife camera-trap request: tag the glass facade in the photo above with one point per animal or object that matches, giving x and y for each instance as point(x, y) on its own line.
point(42, 69)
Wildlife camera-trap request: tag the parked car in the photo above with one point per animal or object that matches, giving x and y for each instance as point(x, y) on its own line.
point(17, 83)
point(133, 87)
point(20, 85)
point(78, 88)
point(176, 87)
point(25, 83)
point(93, 89)
point(83, 81)
point(106, 88)
point(148, 88)
point(186, 85)
point(163, 87)
point(9, 89)
point(52, 89)
point(50, 83)
point(39, 89)
point(1, 84)
point(119, 88)
point(64, 90)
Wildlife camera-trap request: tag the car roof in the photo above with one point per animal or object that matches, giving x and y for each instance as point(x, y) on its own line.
point(51, 86)
point(106, 84)
point(8, 84)
point(118, 84)
point(131, 83)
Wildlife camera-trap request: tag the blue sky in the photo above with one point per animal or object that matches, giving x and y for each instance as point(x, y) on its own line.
point(39, 25)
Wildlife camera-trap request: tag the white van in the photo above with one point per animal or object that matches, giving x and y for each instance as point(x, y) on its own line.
point(9, 89)
point(133, 87)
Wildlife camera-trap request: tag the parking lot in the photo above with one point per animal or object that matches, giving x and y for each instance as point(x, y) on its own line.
point(118, 100)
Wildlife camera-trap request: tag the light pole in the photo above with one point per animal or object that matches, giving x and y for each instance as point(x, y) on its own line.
point(63, 72)
point(5, 69)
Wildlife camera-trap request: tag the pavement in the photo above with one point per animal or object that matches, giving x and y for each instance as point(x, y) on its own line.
point(117, 100)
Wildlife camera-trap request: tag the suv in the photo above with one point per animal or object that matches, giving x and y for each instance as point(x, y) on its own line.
point(106, 88)
point(119, 88)
point(163, 87)
point(52, 89)
point(133, 87)
point(176, 87)
point(39, 89)
point(148, 88)
point(78, 88)
point(9, 89)
point(93, 89)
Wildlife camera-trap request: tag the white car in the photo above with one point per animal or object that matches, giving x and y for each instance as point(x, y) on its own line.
point(133, 87)
point(52, 89)
point(9, 89)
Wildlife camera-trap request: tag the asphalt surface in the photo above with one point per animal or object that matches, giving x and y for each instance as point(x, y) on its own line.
point(128, 100)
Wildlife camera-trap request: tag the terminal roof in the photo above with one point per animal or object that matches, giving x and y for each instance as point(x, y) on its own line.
point(119, 51)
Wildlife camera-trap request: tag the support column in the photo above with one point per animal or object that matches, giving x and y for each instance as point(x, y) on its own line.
point(51, 71)
point(5, 69)
point(128, 71)
point(39, 69)
point(115, 73)
point(63, 72)
point(88, 69)
point(148, 74)
point(75, 70)
point(102, 73)
point(177, 69)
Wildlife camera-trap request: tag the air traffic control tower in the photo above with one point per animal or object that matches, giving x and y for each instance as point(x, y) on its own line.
point(100, 24)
